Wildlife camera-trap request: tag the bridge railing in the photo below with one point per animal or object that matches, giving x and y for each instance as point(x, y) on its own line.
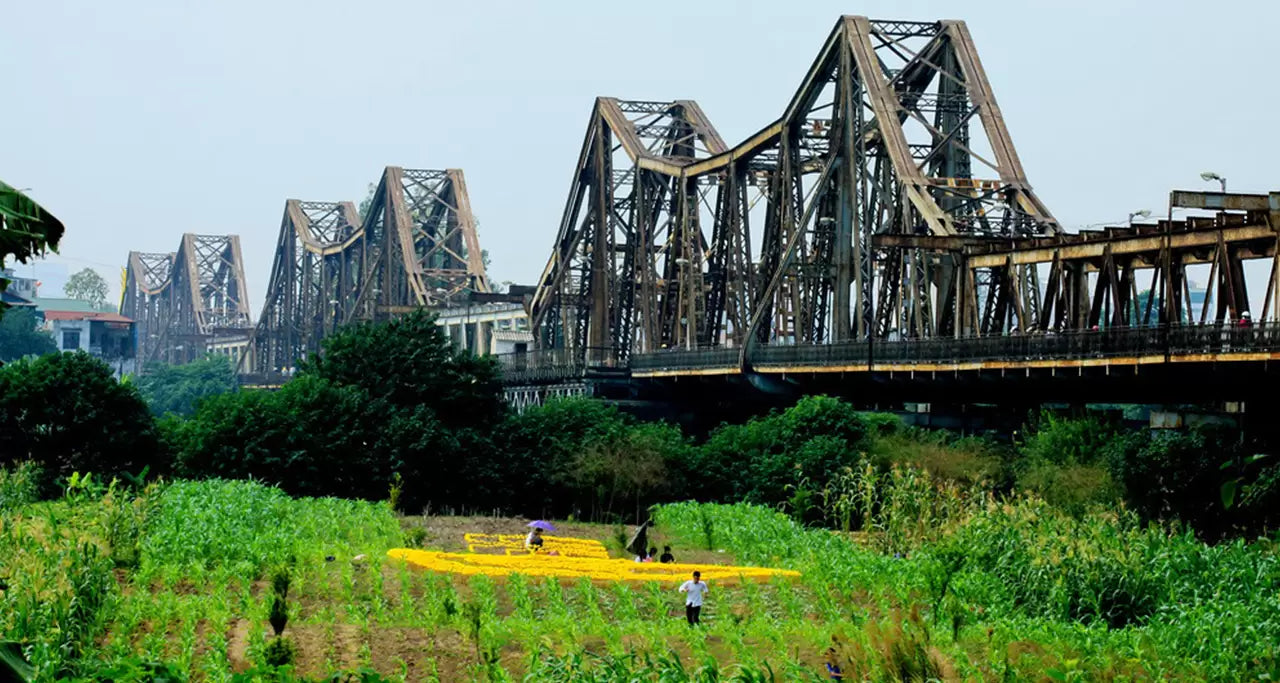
point(1213, 339)
point(680, 359)
point(551, 365)
point(1076, 345)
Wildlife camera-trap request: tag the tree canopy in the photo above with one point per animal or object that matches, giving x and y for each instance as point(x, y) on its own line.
point(87, 286)
point(68, 412)
point(20, 336)
point(378, 399)
point(179, 388)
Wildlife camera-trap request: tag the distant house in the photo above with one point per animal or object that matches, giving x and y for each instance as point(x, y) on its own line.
point(20, 292)
point(77, 325)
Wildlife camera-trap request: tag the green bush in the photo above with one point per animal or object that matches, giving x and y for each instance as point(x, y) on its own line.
point(312, 438)
point(762, 460)
point(67, 412)
point(279, 652)
point(380, 399)
point(179, 389)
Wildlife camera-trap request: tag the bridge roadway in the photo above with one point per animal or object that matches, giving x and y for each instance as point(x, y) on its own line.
point(1175, 364)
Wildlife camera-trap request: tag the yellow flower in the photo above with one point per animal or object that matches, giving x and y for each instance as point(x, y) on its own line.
point(564, 566)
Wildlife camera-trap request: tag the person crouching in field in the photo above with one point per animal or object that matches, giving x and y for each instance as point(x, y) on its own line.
point(693, 590)
point(833, 665)
point(533, 542)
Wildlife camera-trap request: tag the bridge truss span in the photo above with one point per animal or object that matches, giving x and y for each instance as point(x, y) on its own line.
point(189, 302)
point(416, 246)
point(671, 238)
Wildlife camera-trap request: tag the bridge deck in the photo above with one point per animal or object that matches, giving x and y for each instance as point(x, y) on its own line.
point(1130, 348)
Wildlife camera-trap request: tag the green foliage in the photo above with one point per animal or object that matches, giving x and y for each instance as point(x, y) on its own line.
point(26, 230)
point(21, 336)
point(759, 460)
point(59, 627)
point(409, 363)
point(1066, 441)
point(311, 437)
point(19, 485)
point(1074, 487)
point(582, 457)
point(379, 399)
point(124, 519)
point(87, 286)
point(180, 388)
point(69, 414)
point(279, 652)
point(246, 528)
point(1099, 583)
point(1176, 474)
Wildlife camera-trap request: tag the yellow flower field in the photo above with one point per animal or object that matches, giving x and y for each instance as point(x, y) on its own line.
point(600, 569)
point(512, 544)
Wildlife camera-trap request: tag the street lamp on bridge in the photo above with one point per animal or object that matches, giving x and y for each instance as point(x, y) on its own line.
point(1140, 213)
point(1210, 175)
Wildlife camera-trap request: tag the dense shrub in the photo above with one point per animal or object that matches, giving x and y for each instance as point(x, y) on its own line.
point(378, 400)
point(68, 413)
point(21, 336)
point(583, 457)
point(310, 438)
point(180, 388)
point(757, 461)
point(409, 363)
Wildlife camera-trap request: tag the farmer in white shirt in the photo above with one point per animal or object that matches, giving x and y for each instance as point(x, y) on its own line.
point(694, 591)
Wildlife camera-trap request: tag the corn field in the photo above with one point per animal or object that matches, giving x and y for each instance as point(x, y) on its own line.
point(921, 580)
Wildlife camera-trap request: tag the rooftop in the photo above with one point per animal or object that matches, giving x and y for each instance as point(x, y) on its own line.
point(51, 304)
point(98, 316)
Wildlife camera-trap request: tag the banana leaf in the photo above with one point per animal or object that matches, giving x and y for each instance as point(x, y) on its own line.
point(26, 229)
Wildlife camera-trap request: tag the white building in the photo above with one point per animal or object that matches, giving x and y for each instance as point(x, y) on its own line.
point(487, 328)
point(76, 326)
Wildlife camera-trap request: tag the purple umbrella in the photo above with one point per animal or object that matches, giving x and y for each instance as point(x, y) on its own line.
point(541, 524)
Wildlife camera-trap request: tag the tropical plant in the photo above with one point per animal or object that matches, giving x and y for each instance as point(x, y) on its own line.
point(26, 230)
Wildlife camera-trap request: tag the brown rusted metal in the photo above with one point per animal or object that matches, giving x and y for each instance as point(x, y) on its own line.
point(190, 302)
point(418, 246)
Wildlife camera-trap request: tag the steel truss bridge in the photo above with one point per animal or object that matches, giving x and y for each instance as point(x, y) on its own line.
point(881, 228)
point(188, 302)
point(416, 246)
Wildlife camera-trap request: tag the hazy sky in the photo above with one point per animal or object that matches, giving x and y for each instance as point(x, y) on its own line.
point(134, 122)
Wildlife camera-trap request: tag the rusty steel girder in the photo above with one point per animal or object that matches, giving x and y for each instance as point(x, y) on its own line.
point(416, 247)
point(147, 296)
point(188, 302)
point(670, 238)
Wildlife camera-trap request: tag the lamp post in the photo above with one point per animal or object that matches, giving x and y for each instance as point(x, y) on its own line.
point(1140, 213)
point(1208, 176)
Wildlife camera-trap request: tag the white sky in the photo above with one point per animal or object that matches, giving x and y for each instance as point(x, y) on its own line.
point(137, 121)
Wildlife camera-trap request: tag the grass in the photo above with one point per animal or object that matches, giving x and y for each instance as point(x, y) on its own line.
point(1010, 590)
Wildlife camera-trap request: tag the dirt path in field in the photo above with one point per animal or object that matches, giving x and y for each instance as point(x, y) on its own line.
point(238, 645)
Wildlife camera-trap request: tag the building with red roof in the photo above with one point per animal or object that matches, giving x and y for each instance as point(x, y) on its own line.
point(79, 326)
